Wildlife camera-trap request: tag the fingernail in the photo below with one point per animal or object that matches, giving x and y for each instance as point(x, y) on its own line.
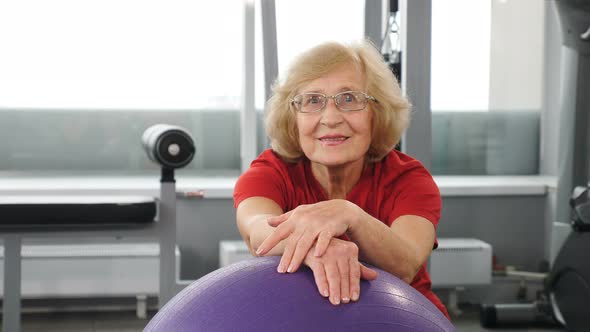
point(355, 296)
point(335, 301)
point(258, 251)
point(290, 269)
point(345, 300)
point(281, 269)
point(325, 293)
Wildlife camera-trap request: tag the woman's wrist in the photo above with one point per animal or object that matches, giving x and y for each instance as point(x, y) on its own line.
point(355, 218)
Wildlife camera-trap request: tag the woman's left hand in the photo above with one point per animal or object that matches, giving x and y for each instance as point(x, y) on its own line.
point(307, 225)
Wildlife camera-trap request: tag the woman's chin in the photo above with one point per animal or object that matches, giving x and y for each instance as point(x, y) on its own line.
point(336, 161)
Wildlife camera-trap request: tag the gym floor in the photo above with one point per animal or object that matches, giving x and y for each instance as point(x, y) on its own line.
point(126, 321)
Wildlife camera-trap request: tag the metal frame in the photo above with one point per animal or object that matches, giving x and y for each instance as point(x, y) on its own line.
point(269, 44)
point(374, 26)
point(163, 229)
point(416, 55)
point(248, 125)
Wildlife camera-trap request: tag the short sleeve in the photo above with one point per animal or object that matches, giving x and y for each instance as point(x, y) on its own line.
point(262, 179)
point(417, 194)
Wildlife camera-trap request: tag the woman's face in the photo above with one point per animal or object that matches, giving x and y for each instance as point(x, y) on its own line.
point(331, 137)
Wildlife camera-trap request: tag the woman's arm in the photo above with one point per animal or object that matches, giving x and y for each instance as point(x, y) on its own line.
point(337, 273)
point(400, 249)
point(252, 218)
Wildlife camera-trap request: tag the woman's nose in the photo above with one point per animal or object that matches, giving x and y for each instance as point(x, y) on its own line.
point(331, 115)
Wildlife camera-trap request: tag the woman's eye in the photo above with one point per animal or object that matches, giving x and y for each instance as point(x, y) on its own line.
point(348, 98)
point(314, 100)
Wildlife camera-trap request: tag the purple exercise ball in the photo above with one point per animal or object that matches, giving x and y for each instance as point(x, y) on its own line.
point(252, 296)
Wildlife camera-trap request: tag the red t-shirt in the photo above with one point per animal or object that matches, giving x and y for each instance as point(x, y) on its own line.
point(395, 186)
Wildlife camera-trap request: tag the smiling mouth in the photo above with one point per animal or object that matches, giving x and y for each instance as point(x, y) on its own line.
point(333, 140)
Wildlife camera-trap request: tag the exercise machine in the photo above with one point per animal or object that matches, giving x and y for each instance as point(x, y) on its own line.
point(566, 292)
point(565, 298)
point(112, 216)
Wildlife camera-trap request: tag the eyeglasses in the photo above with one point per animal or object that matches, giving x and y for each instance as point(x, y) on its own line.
point(347, 101)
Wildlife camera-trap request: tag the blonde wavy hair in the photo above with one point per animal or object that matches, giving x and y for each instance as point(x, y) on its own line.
point(390, 112)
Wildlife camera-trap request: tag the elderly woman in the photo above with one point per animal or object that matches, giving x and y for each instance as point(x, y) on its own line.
point(332, 191)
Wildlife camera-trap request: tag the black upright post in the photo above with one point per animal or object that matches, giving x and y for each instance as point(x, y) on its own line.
point(394, 55)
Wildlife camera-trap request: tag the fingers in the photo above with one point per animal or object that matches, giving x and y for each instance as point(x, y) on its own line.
point(366, 273)
point(355, 279)
point(285, 263)
point(348, 278)
point(274, 221)
point(280, 233)
point(319, 274)
point(322, 243)
point(333, 276)
point(344, 271)
point(338, 273)
point(302, 248)
point(296, 250)
point(339, 282)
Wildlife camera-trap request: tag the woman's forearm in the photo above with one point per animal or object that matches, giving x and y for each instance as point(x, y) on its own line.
point(252, 218)
point(257, 231)
point(400, 250)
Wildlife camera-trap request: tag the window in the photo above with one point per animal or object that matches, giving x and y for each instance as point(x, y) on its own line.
point(486, 87)
point(82, 79)
point(303, 24)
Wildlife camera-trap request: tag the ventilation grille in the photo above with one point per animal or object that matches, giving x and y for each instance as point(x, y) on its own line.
point(88, 250)
point(87, 270)
point(460, 262)
point(464, 249)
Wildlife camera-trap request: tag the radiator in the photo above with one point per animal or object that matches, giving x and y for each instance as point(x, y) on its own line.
point(460, 262)
point(456, 262)
point(88, 270)
point(232, 252)
point(118, 270)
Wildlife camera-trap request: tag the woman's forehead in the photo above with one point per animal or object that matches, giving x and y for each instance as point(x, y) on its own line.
point(342, 78)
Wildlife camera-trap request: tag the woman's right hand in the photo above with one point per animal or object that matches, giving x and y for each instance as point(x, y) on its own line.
point(338, 272)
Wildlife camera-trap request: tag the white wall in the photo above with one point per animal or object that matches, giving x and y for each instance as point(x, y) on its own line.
point(517, 48)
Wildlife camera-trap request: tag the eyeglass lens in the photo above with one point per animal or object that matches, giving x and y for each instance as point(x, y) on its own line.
point(345, 101)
